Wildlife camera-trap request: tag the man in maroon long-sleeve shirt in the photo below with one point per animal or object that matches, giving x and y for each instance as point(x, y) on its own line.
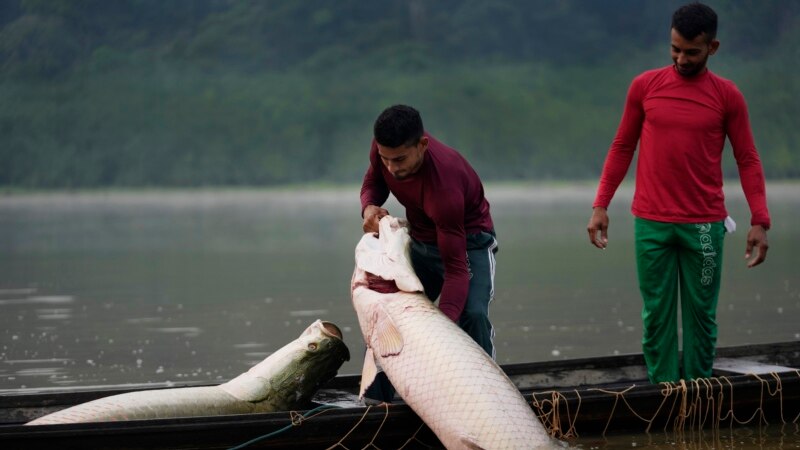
point(453, 240)
point(680, 116)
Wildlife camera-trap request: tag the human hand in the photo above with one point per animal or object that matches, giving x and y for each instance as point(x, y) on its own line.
point(372, 216)
point(598, 223)
point(756, 238)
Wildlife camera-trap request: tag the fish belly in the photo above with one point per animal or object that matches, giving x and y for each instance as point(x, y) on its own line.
point(155, 404)
point(454, 386)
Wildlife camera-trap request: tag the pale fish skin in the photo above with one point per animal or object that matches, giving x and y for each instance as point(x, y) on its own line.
point(440, 372)
point(285, 380)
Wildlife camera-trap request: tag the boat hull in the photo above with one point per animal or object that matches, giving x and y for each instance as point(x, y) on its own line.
point(604, 394)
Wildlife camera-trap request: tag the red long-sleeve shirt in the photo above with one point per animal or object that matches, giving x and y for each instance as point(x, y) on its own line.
point(444, 202)
point(682, 123)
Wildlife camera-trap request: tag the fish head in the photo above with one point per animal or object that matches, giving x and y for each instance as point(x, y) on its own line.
point(288, 378)
point(321, 350)
point(386, 256)
point(394, 238)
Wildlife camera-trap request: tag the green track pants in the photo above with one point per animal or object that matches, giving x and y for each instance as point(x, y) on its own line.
point(673, 258)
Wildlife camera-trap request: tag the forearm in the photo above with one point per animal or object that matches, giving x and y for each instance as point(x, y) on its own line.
point(453, 250)
point(454, 295)
point(374, 190)
point(753, 185)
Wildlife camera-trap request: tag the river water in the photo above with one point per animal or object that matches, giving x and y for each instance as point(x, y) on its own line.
point(174, 286)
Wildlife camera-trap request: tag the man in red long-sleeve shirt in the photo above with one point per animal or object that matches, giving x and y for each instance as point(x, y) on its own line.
point(453, 240)
point(680, 116)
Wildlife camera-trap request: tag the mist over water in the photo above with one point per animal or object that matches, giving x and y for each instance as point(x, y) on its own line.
point(197, 286)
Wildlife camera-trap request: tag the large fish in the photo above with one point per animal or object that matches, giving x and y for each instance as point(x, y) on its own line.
point(448, 380)
point(285, 380)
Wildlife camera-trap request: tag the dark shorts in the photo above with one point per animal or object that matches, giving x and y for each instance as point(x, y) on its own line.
point(481, 250)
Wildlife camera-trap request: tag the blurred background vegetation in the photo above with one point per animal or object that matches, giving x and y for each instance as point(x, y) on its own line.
point(134, 93)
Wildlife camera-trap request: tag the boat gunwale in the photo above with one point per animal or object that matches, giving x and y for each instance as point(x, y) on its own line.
point(371, 417)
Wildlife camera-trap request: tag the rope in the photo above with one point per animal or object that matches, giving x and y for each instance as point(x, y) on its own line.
point(552, 420)
point(297, 420)
point(371, 444)
point(694, 405)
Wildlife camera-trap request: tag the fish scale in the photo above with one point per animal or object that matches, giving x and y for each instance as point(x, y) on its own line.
point(457, 389)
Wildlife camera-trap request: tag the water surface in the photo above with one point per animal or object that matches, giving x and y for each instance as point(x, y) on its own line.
point(135, 287)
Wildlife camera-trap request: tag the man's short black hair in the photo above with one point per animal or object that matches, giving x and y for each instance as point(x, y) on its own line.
point(398, 125)
point(694, 19)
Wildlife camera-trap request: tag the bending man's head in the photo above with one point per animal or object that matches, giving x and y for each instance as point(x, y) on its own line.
point(398, 126)
point(401, 140)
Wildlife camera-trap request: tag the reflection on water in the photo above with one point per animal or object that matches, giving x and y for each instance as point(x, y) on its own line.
point(156, 287)
point(309, 313)
point(52, 299)
point(185, 331)
point(53, 313)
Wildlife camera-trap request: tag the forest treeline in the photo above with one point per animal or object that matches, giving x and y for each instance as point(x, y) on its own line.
point(98, 93)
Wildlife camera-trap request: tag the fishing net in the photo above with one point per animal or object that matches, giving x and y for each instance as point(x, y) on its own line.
point(684, 405)
point(679, 407)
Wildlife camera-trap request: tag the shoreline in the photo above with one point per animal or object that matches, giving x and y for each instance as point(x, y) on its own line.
point(499, 190)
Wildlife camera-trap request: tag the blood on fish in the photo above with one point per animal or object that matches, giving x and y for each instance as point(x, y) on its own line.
point(378, 284)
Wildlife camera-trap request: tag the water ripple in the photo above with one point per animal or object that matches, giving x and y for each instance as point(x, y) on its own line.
point(138, 320)
point(54, 313)
point(36, 361)
point(249, 345)
point(40, 371)
point(186, 331)
point(308, 312)
point(43, 299)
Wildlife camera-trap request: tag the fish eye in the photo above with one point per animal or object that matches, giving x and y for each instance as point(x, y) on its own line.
point(312, 346)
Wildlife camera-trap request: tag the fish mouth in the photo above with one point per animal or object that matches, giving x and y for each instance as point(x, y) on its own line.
point(332, 331)
point(329, 329)
point(330, 338)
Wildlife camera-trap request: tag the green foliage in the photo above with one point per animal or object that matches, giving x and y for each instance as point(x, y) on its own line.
point(35, 46)
point(219, 92)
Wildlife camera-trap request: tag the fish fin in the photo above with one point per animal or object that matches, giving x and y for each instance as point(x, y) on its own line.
point(368, 373)
point(386, 338)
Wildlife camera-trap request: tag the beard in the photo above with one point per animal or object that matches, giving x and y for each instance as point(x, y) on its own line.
point(690, 70)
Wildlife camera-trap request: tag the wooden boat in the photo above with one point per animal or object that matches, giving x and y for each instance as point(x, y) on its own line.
point(753, 384)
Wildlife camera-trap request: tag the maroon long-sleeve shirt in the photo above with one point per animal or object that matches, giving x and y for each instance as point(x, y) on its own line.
point(680, 124)
point(444, 202)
